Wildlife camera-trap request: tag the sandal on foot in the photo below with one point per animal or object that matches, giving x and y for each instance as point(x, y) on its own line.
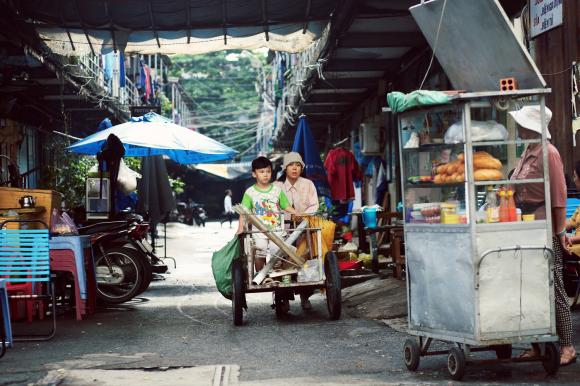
point(567, 359)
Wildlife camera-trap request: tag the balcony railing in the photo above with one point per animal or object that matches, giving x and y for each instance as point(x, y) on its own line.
point(111, 90)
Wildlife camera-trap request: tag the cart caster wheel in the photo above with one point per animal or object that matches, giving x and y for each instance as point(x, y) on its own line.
point(551, 360)
point(412, 354)
point(456, 363)
point(238, 295)
point(333, 286)
point(503, 351)
point(282, 306)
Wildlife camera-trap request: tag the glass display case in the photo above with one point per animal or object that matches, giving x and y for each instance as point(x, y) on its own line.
point(466, 233)
point(436, 174)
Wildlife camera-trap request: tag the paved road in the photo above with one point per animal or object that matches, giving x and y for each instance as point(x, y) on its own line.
point(181, 332)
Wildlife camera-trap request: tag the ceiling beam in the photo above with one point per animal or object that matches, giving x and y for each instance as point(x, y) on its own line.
point(391, 39)
point(346, 83)
point(188, 19)
point(265, 19)
point(334, 109)
point(338, 98)
point(47, 81)
point(111, 24)
point(152, 18)
point(361, 64)
point(65, 26)
point(306, 16)
point(63, 97)
point(77, 8)
point(225, 20)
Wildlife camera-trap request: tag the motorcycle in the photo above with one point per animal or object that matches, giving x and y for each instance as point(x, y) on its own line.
point(123, 259)
point(199, 216)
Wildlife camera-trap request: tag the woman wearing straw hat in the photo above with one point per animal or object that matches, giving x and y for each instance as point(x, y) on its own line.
point(530, 198)
point(302, 195)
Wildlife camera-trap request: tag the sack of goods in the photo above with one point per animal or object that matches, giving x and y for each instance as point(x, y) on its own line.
point(485, 168)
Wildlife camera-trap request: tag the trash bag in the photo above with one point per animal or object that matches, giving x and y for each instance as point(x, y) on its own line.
point(480, 131)
point(221, 266)
point(127, 179)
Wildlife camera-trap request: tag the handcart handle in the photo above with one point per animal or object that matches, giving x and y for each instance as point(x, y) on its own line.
point(515, 248)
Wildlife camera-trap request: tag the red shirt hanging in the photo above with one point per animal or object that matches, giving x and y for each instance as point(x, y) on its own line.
point(342, 170)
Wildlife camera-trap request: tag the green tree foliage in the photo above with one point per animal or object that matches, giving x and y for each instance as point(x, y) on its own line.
point(225, 88)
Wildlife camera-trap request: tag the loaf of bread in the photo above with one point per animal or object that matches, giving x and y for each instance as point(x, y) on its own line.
point(486, 163)
point(487, 175)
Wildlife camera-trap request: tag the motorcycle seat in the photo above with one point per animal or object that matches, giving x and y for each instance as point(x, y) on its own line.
point(107, 226)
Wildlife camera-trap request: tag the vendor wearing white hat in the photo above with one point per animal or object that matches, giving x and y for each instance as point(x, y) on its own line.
point(530, 198)
point(301, 194)
point(300, 191)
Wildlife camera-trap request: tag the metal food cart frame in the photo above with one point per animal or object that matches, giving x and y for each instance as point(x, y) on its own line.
point(468, 336)
point(243, 269)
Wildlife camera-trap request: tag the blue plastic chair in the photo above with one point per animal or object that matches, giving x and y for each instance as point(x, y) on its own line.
point(5, 327)
point(25, 258)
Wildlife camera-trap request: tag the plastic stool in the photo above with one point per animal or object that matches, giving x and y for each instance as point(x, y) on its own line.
point(74, 254)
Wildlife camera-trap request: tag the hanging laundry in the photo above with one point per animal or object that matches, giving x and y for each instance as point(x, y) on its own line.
point(153, 76)
point(108, 64)
point(147, 83)
point(342, 169)
point(142, 76)
point(122, 81)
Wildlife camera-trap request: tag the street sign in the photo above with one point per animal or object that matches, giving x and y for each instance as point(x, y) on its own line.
point(545, 15)
point(138, 111)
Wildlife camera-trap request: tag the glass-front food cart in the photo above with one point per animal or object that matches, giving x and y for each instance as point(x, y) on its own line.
point(477, 278)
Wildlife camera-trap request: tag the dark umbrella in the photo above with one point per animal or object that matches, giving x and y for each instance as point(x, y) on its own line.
point(153, 189)
point(154, 193)
point(314, 168)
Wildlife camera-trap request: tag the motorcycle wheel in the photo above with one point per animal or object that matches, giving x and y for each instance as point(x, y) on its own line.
point(119, 275)
point(147, 271)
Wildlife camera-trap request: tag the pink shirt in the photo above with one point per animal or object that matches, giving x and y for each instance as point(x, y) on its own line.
point(531, 165)
point(302, 195)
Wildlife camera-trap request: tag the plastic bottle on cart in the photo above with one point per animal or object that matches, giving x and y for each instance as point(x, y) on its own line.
point(512, 211)
point(492, 205)
point(504, 215)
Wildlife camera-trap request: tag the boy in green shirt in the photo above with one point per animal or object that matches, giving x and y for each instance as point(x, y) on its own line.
point(266, 201)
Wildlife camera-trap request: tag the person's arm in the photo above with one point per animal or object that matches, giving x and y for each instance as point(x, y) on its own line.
point(559, 222)
point(558, 196)
point(285, 203)
point(312, 199)
point(247, 202)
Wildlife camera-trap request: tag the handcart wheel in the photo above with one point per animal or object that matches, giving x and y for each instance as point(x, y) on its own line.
point(412, 354)
point(282, 305)
point(551, 360)
point(503, 351)
point(333, 286)
point(456, 363)
point(238, 296)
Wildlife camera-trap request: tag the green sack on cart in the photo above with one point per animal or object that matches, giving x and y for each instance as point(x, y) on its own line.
point(221, 266)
